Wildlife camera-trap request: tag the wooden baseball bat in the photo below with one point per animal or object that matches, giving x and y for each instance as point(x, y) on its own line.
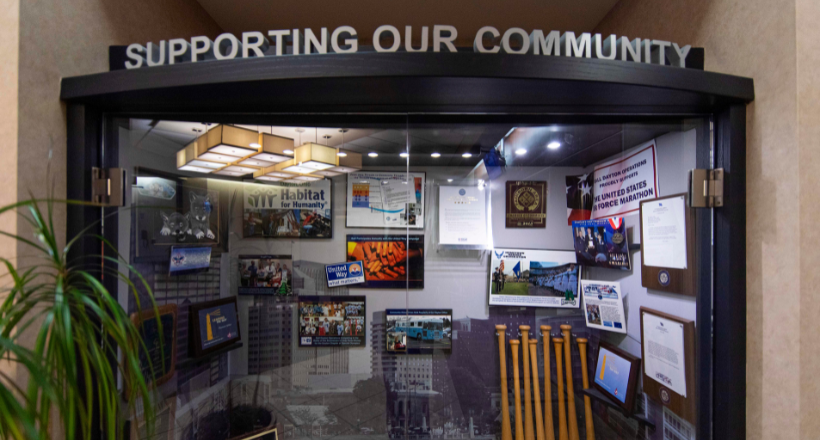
point(582, 347)
point(519, 427)
point(549, 430)
point(506, 431)
point(562, 414)
point(525, 344)
point(573, 420)
point(536, 389)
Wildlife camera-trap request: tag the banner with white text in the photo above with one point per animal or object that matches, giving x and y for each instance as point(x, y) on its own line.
point(621, 184)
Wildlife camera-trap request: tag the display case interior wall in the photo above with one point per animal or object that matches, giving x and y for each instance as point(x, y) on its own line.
point(366, 390)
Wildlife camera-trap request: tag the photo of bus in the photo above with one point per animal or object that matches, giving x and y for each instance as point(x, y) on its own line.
point(425, 330)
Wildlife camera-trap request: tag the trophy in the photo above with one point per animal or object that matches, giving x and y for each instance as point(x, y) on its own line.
point(506, 433)
point(573, 420)
point(582, 347)
point(539, 422)
point(519, 428)
point(562, 415)
point(528, 428)
point(549, 430)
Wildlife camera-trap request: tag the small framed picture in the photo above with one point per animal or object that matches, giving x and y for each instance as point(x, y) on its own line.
point(616, 375)
point(214, 325)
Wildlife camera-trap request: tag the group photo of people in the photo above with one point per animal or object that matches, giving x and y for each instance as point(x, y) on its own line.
point(269, 274)
point(331, 318)
point(296, 223)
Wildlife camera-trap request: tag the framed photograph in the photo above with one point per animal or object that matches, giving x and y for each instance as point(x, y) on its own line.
point(526, 204)
point(189, 260)
point(265, 275)
point(332, 321)
point(387, 199)
point(214, 325)
point(602, 243)
point(288, 210)
point(616, 375)
point(390, 261)
point(604, 305)
point(521, 277)
point(419, 331)
point(169, 211)
point(160, 355)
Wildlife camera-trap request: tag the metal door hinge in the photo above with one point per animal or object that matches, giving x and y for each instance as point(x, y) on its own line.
point(706, 188)
point(108, 186)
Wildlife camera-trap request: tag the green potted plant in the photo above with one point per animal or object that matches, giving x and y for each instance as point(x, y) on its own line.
point(81, 336)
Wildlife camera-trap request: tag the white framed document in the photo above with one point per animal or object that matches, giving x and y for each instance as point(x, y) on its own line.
point(663, 349)
point(383, 199)
point(663, 233)
point(604, 305)
point(462, 216)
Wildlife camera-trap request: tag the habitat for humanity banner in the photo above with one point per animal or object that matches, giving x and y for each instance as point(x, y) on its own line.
point(622, 184)
point(287, 210)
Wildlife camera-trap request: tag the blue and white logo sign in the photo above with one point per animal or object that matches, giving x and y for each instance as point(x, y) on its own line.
point(664, 278)
point(344, 274)
point(461, 192)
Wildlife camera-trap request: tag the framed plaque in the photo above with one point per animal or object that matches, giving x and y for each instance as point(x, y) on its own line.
point(526, 204)
point(668, 257)
point(668, 351)
point(160, 351)
point(214, 325)
point(616, 375)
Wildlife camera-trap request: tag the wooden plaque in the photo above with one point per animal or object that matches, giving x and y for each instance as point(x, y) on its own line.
point(526, 204)
point(671, 280)
point(163, 361)
point(657, 391)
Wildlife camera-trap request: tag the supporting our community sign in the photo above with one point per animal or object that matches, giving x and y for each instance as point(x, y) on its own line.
point(621, 184)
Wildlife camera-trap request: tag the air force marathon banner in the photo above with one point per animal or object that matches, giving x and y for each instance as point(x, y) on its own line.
point(621, 185)
point(287, 210)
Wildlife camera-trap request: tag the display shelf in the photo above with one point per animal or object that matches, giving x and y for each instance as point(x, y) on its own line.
point(191, 361)
point(599, 396)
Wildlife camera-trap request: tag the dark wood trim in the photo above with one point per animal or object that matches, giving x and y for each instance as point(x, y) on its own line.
point(729, 365)
point(410, 82)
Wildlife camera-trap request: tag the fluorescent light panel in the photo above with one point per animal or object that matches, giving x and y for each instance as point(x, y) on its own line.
point(231, 150)
point(270, 178)
point(255, 163)
point(195, 169)
point(239, 169)
point(206, 164)
point(269, 157)
point(221, 158)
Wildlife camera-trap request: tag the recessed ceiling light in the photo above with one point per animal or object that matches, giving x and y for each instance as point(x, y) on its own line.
point(403, 155)
point(341, 154)
point(373, 154)
point(288, 151)
point(449, 180)
point(466, 155)
point(435, 155)
point(255, 145)
point(554, 145)
point(520, 151)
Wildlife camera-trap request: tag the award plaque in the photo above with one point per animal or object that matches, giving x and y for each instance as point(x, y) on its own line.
point(158, 359)
point(526, 203)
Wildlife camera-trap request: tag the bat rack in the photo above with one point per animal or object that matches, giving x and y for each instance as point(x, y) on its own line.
point(597, 395)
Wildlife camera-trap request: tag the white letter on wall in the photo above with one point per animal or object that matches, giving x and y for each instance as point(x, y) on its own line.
point(353, 42)
point(525, 41)
point(133, 53)
point(478, 43)
point(278, 38)
point(609, 44)
point(312, 41)
point(408, 39)
point(201, 46)
point(221, 44)
point(634, 49)
point(662, 52)
point(378, 35)
point(546, 45)
point(258, 46)
point(177, 47)
point(448, 41)
point(680, 54)
point(156, 61)
point(577, 47)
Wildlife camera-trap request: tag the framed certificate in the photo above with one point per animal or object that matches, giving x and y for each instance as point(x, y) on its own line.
point(668, 351)
point(385, 199)
point(668, 257)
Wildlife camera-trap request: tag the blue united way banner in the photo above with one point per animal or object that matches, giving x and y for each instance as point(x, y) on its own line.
point(344, 274)
point(602, 243)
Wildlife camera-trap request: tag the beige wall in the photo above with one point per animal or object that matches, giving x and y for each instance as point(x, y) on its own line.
point(772, 41)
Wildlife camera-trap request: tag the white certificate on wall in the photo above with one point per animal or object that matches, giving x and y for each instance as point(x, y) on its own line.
point(663, 233)
point(462, 216)
point(664, 358)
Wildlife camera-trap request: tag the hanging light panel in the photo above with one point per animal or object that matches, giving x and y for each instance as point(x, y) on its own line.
point(312, 157)
point(229, 141)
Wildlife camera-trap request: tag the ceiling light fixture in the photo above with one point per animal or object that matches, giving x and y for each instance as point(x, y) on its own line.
point(341, 154)
point(230, 141)
point(373, 154)
point(520, 152)
point(435, 155)
point(404, 155)
point(466, 155)
point(195, 169)
point(311, 157)
point(449, 180)
point(554, 145)
point(269, 178)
